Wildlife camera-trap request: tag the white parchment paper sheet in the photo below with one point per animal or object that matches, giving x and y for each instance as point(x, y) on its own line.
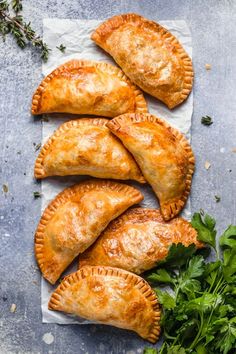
point(75, 35)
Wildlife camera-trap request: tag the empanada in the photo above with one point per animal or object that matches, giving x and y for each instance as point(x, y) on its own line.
point(149, 55)
point(138, 240)
point(163, 154)
point(75, 218)
point(110, 296)
point(86, 147)
point(87, 87)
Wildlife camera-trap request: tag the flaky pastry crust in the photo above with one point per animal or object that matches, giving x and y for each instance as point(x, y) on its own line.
point(86, 147)
point(75, 218)
point(137, 240)
point(110, 296)
point(87, 87)
point(149, 55)
point(163, 154)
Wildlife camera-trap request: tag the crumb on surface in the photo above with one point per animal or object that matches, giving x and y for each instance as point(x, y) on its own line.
point(48, 338)
point(208, 66)
point(5, 188)
point(13, 308)
point(207, 165)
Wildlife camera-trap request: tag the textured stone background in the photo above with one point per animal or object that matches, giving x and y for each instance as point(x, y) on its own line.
point(214, 42)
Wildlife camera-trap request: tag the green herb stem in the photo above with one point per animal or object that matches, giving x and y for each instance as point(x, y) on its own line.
point(21, 31)
point(194, 343)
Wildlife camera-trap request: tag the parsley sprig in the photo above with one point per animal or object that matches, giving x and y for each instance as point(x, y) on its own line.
point(199, 308)
point(13, 23)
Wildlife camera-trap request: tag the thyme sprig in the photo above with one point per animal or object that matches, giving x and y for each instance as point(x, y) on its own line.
point(13, 23)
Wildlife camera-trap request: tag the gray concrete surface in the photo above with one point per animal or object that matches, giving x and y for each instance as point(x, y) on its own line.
point(213, 25)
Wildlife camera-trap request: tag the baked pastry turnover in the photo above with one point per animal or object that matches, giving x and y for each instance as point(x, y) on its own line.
point(163, 154)
point(149, 55)
point(87, 87)
point(86, 147)
point(110, 296)
point(138, 240)
point(75, 218)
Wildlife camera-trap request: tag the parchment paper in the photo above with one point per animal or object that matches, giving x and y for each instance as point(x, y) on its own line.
point(75, 35)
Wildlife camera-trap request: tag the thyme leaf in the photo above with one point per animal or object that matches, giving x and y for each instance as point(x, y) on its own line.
point(62, 48)
point(207, 120)
point(37, 195)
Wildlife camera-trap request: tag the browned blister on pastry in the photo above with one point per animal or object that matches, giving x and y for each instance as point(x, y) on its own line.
point(163, 154)
point(138, 240)
point(86, 147)
point(110, 296)
point(149, 55)
point(87, 87)
point(75, 218)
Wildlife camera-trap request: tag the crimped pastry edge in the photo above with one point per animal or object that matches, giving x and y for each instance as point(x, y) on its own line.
point(62, 198)
point(39, 171)
point(100, 35)
point(169, 210)
point(137, 281)
point(141, 105)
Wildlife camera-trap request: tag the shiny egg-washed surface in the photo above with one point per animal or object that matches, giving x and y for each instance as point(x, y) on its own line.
point(75, 218)
point(86, 147)
point(149, 55)
point(87, 87)
point(138, 240)
point(163, 154)
point(110, 296)
point(214, 94)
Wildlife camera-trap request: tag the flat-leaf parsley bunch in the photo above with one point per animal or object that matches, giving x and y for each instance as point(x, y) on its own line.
point(199, 310)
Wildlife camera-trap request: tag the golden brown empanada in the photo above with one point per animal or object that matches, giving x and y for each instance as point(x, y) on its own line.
point(86, 147)
point(75, 218)
point(138, 240)
point(110, 296)
point(149, 55)
point(163, 154)
point(87, 87)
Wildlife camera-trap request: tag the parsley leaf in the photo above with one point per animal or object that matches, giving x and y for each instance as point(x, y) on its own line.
point(227, 329)
point(187, 282)
point(165, 299)
point(199, 298)
point(228, 239)
point(150, 351)
point(195, 267)
point(203, 304)
point(228, 244)
point(212, 272)
point(161, 276)
point(176, 350)
point(205, 228)
point(178, 254)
